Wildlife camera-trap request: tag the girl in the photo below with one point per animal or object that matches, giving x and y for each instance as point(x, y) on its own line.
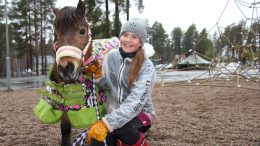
point(129, 75)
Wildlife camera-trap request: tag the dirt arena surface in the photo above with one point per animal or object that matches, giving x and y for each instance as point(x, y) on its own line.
point(210, 113)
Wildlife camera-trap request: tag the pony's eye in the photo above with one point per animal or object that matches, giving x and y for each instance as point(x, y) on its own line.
point(82, 31)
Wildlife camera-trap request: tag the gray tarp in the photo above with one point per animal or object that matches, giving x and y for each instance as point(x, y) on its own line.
point(194, 59)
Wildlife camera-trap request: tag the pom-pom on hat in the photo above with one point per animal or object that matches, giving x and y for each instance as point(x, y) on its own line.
point(136, 26)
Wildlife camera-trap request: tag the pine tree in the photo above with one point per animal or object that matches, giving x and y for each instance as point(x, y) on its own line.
point(158, 40)
point(30, 19)
point(176, 36)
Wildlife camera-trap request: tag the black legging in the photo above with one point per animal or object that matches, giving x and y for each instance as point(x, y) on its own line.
point(128, 134)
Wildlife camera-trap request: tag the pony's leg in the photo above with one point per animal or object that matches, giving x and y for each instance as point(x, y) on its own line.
point(65, 127)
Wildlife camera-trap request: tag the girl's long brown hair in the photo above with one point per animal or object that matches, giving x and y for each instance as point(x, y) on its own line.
point(135, 66)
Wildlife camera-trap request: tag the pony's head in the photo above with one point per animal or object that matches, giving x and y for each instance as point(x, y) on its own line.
point(72, 41)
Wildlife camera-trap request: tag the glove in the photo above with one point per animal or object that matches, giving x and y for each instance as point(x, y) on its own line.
point(98, 131)
point(94, 68)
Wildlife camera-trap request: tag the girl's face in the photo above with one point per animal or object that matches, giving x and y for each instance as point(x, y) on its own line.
point(130, 42)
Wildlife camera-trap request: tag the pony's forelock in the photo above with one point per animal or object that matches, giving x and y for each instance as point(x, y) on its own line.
point(67, 18)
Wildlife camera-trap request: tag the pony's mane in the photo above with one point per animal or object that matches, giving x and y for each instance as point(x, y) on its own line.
point(67, 18)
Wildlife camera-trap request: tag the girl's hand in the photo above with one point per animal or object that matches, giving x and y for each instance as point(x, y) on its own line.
point(98, 131)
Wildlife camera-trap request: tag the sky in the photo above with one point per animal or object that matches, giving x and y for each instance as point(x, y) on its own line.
point(183, 13)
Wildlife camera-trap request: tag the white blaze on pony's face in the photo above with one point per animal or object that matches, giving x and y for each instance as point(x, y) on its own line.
point(72, 35)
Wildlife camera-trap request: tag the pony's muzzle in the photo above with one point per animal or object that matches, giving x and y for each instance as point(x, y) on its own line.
point(68, 59)
point(68, 51)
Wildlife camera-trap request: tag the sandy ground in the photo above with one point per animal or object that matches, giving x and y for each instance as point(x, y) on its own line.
point(200, 113)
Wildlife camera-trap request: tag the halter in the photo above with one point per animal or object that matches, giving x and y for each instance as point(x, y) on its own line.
point(74, 51)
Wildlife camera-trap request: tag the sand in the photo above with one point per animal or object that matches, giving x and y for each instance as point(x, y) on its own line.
point(200, 113)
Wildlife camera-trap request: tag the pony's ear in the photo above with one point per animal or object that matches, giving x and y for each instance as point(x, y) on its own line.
point(81, 8)
point(55, 11)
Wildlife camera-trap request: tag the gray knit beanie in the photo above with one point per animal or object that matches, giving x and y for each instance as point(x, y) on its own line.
point(136, 26)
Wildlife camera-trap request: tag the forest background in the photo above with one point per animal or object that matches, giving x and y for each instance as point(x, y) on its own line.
point(31, 35)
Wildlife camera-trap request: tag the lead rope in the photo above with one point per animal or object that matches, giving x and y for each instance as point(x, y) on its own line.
point(95, 97)
point(80, 139)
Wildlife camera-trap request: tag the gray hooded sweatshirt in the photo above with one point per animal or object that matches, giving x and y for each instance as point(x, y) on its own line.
point(125, 104)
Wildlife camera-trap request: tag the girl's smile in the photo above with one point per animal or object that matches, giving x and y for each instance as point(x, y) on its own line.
point(130, 42)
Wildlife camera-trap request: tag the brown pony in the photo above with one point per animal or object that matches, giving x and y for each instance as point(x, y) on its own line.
point(71, 95)
point(72, 33)
point(72, 49)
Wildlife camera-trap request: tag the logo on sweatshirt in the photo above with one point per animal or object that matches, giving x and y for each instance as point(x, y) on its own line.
point(143, 96)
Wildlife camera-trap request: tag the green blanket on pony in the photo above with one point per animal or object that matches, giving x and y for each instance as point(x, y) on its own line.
point(84, 102)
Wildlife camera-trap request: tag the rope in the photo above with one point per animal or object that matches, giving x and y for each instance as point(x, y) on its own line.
point(202, 82)
point(95, 98)
point(236, 2)
point(80, 139)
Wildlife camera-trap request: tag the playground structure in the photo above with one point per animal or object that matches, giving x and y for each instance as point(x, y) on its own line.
point(243, 66)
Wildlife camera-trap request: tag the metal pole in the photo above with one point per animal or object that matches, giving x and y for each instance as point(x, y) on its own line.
point(8, 68)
